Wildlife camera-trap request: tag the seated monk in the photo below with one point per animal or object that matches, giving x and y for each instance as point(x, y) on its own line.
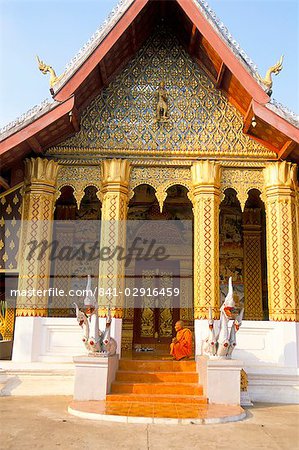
point(181, 346)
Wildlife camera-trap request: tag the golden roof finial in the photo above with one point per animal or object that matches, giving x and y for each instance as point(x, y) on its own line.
point(267, 81)
point(44, 68)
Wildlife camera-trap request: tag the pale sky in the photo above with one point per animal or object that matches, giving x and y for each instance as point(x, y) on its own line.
point(57, 29)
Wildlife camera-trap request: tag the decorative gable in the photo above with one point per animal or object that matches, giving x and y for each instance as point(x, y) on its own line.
point(123, 116)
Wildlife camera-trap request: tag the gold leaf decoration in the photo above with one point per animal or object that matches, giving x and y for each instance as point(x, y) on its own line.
point(123, 116)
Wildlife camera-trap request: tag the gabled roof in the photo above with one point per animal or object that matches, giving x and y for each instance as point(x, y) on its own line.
point(206, 39)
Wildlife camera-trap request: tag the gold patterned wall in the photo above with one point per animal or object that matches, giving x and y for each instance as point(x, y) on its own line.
point(10, 216)
point(123, 115)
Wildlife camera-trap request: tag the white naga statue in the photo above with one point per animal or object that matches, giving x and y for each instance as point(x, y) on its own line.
point(96, 342)
point(221, 345)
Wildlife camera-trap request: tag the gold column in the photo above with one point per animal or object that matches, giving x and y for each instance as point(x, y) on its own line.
point(206, 176)
point(115, 197)
point(252, 238)
point(296, 189)
point(7, 324)
point(282, 246)
point(37, 220)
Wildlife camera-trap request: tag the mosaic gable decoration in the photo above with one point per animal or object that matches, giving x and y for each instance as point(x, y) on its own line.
point(124, 115)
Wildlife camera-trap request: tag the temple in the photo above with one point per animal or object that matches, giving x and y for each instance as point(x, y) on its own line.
point(160, 117)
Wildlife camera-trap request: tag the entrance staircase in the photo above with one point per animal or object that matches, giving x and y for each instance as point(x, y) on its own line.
point(156, 391)
point(157, 381)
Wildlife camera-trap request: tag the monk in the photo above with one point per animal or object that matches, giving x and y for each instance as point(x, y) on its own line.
point(181, 346)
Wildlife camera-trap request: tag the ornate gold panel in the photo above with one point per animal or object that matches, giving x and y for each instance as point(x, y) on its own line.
point(7, 321)
point(10, 216)
point(79, 178)
point(242, 181)
point(252, 240)
point(123, 117)
point(160, 178)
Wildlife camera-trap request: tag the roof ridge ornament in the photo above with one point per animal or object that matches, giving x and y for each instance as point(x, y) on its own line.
point(267, 81)
point(44, 68)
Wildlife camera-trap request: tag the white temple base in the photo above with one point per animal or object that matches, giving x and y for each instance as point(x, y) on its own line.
point(269, 350)
point(220, 379)
point(270, 354)
point(259, 342)
point(53, 339)
point(93, 376)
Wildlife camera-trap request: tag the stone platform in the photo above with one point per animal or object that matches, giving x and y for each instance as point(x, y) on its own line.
point(162, 413)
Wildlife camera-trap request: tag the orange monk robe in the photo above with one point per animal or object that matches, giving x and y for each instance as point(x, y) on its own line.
point(183, 347)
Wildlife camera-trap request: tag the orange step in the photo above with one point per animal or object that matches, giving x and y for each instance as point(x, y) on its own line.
point(153, 382)
point(157, 398)
point(137, 365)
point(118, 387)
point(156, 377)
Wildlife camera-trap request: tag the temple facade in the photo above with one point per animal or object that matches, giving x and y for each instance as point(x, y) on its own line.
point(161, 117)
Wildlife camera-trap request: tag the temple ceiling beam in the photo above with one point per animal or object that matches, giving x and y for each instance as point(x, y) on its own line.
point(193, 39)
point(74, 119)
point(35, 145)
point(133, 36)
point(204, 67)
point(286, 149)
point(263, 142)
point(103, 72)
point(220, 75)
point(248, 119)
point(4, 184)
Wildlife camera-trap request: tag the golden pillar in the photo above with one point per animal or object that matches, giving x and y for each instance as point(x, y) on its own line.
point(7, 323)
point(115, 198)
point(282, 241)
point(252, 238)
point(37, 220)
point(206, 176)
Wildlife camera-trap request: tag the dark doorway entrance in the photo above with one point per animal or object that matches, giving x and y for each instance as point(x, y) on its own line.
point(155, 316)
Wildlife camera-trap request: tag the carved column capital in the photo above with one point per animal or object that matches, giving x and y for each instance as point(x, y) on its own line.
point(206, 172)
point(280, 175)
point(115, 173)
point(40, 174)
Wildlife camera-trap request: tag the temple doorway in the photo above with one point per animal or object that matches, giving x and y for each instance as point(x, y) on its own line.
point(148, 322)
point(243, 252)
point(154, 321)
point(73, 226)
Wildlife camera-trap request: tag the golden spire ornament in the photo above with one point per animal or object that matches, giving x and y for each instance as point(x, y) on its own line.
point(267, 81)
point(44, 68)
